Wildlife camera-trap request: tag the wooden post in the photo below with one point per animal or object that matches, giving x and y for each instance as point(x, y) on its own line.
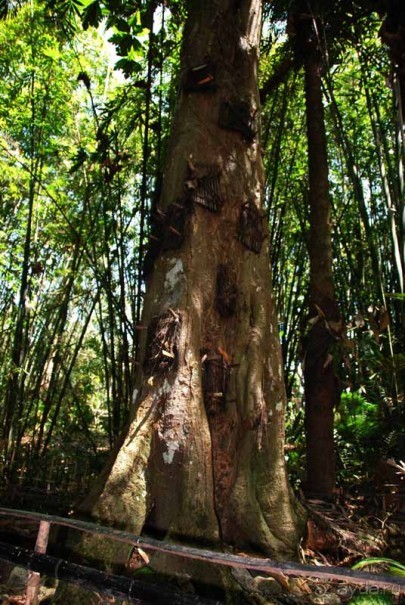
point(34, 578)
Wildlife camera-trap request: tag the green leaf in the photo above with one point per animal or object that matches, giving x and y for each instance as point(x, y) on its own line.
point(136, 50)
point(396, 296)
point(128, 66)
point(123, 41)
point(372, 599)
point(92, 15)
point(393, 566)
point(52, 52)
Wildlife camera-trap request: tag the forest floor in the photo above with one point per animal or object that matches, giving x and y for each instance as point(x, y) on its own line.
point(356, 525)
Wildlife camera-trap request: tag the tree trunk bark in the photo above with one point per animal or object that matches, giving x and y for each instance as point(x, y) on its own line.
point(325, 325)
point(203, 457)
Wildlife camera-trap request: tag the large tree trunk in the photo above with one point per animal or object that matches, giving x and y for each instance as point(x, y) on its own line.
point(324, 325)
point(203, 457)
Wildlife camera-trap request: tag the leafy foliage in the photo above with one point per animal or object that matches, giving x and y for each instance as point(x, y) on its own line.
point(392, 566)
point(358, 428)
point(372, 599)
point(363, 154)
point(71, 146)
point(377, 563)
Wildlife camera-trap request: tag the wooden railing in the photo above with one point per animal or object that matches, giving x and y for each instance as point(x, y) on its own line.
point(38, 560)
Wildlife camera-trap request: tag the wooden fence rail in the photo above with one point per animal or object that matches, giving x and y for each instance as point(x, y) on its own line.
point(132, 590)
point(386, 582)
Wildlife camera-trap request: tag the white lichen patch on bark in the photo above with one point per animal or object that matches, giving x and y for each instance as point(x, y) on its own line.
point(174, 274)
point(166, 388)
point(172, 448)
point(172, 287)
